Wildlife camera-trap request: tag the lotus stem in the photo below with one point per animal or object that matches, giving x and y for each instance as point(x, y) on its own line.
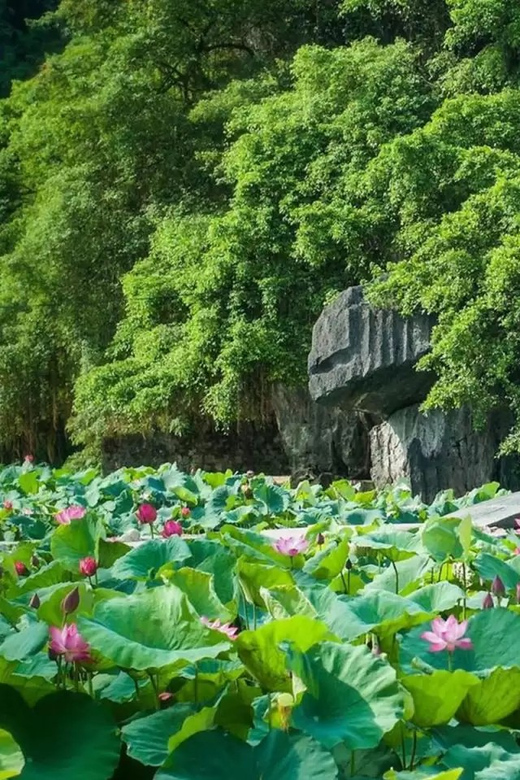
point(414, 749)
point(396, 576)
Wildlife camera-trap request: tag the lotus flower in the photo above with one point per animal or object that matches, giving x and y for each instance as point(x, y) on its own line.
point(21, 568)
point(224, 628)
point(29, 458)
point(146, 513)
point(447, 635)
point(171, 528)
point(488, 602)
point(68, 643)
point(291, 546)
point(88, 566)
point(75, 512)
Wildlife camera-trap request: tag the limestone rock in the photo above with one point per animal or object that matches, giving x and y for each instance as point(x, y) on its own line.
point(440, 450)
point(364, 358)
point(319, 440)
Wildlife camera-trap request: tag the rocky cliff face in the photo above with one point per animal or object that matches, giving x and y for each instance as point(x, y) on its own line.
point(319, 440)
point(364, 359)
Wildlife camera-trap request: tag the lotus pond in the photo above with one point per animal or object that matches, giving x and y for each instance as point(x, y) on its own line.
point(149, 628)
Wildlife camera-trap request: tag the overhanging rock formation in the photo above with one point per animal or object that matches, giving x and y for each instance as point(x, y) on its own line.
point(364, 359)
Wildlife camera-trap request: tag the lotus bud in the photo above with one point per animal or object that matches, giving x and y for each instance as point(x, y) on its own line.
point(185, 511)
point(35, 561)
point(488, 602)
point(498, 588)
point(518, 593)
point(88, 567)
point(71, 602)
point(320, 539)
point(35, 601)
point(147, 513)
point(21, 568)
point(8, 505)
point(171, 528)
point(348, 565)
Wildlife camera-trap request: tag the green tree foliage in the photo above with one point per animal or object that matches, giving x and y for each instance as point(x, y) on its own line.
point(225, 302)
point(24, 38)
point(184, 186)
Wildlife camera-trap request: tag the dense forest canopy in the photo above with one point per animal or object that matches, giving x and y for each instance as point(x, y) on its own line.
point(184, 184)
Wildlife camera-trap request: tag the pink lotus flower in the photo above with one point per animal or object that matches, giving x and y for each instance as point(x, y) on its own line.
point(185, 511)
point(291, 546)
point(516, 551)
point(21, 568)
point(165, 696)
point(69, 643)
point(224, 628)
point(146, 514)
point(447, 635)
point(88, 567)
point(29, 458)
point(8, 504)
point(74, 512)
point(171, 528)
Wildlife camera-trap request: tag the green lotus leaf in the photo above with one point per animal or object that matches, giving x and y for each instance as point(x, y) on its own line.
point(256, 577)
point(11, 757)
point(198, 587)
point(419, 774)
point(212, 558)
point(152, 630)
point(437, 696)
point(71, 543)
point(260, 650)
point(149, 557)
point(253, 546)
point(352, 697)
point(51, 599)
point(328, 563)
point(24, 643)
point(489, 567)
point(64, 735)
point(494, 698)
point(486, 762)
point(214, 755)
point(51, 574)
point(410, 573)
point(441, 538)
point(437, 597)
point(394, 544)
point(151, 739)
